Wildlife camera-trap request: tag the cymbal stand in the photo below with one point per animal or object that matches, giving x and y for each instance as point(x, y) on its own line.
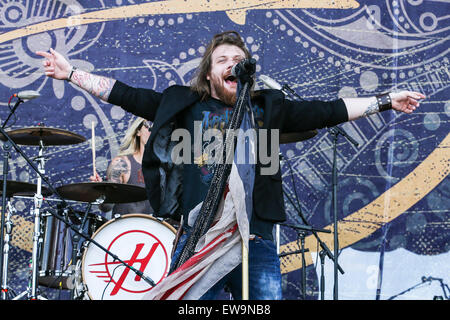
point(8, 229)
point(3, 267)
point(76, 251)
point(33, 286)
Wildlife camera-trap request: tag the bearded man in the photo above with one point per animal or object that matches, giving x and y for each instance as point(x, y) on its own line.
point(174, 191)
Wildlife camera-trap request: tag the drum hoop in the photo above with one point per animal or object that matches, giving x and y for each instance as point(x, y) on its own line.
point(129, 215)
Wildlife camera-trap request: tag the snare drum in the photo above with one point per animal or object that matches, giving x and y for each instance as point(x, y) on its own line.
point(140, 241)
point(56, 265)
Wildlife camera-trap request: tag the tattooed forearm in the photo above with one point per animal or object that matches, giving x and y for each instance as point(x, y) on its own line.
point(371, 109)
point(117, 170)
point(96, 85)
point(360, 107)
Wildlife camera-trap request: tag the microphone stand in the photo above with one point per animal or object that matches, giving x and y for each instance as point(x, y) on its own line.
point(301, 233)
point(288, 89)
point(424, 280)
point(19, 101)
point(64, 203)
point(314, 231)
point(3, 253)
point(335, 132)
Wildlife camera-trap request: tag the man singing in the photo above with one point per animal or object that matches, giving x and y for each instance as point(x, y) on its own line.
point(175, 190)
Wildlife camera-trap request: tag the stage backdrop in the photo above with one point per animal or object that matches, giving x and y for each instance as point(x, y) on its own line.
point(393, 191)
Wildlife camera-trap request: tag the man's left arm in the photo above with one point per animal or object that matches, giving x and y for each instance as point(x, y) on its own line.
point(403, 101)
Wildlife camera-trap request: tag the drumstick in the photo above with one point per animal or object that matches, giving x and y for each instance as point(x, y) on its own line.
point(93, 149)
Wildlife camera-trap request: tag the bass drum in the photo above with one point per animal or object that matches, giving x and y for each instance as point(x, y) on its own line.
point(140, 241)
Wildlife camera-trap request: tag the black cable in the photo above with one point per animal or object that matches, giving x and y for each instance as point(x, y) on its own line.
point(110, 280)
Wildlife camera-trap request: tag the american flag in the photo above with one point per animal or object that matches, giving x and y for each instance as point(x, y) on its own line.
point(219, 251)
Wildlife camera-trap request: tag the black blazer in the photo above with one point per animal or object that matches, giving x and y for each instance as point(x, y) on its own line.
point(279, 113)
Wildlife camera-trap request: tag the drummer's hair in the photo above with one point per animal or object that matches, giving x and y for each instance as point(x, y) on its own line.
point(131, 141)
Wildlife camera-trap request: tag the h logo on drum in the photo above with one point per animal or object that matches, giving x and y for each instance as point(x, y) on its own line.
point(131, 262)
point(125, 281)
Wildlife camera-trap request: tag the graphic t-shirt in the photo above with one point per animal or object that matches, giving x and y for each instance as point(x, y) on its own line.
point(198, 172)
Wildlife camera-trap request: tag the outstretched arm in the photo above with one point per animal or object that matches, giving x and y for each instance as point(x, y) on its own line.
point(403, 101)
point(57, 67)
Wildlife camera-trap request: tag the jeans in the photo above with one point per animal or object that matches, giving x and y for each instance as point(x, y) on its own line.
point(264, 273)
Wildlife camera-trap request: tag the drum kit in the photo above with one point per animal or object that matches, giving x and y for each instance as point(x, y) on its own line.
point(82, 253)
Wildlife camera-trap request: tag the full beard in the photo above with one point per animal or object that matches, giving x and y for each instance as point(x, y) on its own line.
point(226, 96)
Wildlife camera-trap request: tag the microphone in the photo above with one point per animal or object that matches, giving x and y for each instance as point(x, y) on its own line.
point(22, 95)
point(245, 67)
point(27, 95)
point(272, 84)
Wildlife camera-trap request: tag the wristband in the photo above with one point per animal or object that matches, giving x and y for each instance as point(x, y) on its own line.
point(384, 102)
point(71, 73)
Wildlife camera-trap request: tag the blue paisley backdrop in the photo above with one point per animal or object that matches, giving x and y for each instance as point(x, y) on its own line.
point(393, 188)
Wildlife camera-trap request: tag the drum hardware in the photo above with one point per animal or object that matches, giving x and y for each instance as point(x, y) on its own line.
point(33, 288)
point(33, 136)
point(18, 196)
point(13, 189)
point(31, 291)
point(39, 136)
point(106, 192)
point(76, 251)
point(100, 192)
point(25, 190)
point(8, 230)
point(60, 248)
point(4, 243)
point(89, 240)
point(140, 238)
point(6, 156)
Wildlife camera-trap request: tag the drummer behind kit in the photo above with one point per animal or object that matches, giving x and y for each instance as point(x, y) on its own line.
point(62, 259)
point(83, 252)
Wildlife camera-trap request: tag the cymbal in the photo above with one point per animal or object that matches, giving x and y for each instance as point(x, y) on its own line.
point(112, 192)
point(19, 188)
point(50, 136)
point(297, 136)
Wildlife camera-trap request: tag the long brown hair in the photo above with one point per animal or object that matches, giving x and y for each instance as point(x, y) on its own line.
point(200, 84)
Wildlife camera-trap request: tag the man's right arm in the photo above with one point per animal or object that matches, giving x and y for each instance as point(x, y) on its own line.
point(141, 102)
point(57, 67)
point(98, 86)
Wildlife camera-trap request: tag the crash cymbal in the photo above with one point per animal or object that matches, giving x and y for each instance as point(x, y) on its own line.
point(297, 136)
point(110, 191)
point(19, 188)
point(50, 136)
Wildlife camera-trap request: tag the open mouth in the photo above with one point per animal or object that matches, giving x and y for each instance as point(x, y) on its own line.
point(230, 79)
